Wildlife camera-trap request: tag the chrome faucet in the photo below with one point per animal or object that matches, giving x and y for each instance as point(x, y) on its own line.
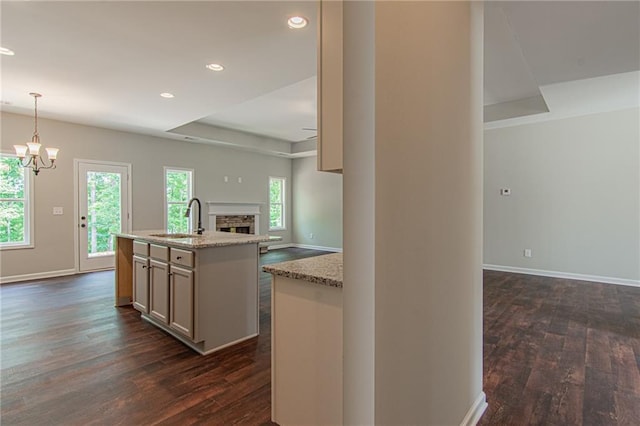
point(188, 212)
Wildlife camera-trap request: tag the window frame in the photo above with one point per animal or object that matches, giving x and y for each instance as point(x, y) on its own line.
point(28, 200)
point(192, 190)
point(282, 203)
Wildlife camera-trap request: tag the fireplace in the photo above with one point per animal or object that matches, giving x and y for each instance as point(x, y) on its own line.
point(237, 230)
point(241, 224)
point(234, 217)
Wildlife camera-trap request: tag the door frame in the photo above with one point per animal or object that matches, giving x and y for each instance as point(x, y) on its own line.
point(76, 203)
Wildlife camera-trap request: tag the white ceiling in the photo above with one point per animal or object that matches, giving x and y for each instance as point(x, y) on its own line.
point(105, 63)
point(529, 44)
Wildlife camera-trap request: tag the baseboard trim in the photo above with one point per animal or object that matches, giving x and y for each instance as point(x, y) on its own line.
point(235, 342)
point(305, 246)
point(37, 276)
point(566, 275)
point(476, 411)
point(198, 347)
point(279, 246)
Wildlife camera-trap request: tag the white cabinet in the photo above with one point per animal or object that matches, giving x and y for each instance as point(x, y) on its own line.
point(181, 285)
point(306, 353)
point(205, 297)
point(159, 288)
point(164, 286)
point(141, 283)
point(182, 257)
point(330, 86)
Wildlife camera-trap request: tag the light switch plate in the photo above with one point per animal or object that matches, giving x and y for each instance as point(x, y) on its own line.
point(58, 211)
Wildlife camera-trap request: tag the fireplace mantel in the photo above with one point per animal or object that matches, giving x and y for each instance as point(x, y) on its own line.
point(232, 208)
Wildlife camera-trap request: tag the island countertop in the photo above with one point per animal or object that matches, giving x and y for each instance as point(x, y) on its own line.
point(324, 270)
point(195, 241)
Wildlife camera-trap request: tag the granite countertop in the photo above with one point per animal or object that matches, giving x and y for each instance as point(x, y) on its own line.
point(324, 270)
point(195, 241)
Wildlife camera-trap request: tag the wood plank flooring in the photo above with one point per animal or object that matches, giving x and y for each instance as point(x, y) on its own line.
point(556, 352)
point(69, 357)
point(560, 352)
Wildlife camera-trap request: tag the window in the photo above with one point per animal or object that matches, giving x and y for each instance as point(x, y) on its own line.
point(15, 203)
point(276, 203)
point(178, 185)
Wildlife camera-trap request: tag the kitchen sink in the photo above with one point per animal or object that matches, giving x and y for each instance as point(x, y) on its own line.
point(175, 235)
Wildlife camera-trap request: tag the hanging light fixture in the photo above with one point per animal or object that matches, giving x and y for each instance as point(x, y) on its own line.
point(33, 159)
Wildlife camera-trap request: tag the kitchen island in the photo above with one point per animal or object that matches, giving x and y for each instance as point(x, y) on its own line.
point(201, 289)
point(306, 341)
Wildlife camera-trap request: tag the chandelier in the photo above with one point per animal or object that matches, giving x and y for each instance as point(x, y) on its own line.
point(33, 159)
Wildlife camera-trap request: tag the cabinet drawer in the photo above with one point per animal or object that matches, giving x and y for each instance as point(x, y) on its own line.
point(159, 252)
point(140, 248)
point(182, 257)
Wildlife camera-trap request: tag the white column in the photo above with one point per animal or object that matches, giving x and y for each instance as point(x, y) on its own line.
point(359, 213)
point(413, 213)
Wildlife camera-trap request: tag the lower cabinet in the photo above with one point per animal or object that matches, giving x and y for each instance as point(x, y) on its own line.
point(159, 287)
point(306, 353)
point(205, 297)
point(181, 286)
point(164, 286)
point(141, 284)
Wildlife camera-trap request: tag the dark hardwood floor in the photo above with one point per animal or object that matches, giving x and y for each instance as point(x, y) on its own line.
point(556, 352)
point(69, 357)
point(560, 352)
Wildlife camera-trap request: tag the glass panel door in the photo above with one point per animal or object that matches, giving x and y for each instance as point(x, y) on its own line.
point(103, 211)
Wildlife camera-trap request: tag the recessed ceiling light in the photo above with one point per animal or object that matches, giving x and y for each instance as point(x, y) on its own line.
point(297, 22)
point(5, 51)
point(167, 95)
point(215, 67)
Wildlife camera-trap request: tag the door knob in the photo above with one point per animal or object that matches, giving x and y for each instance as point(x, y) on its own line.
point(83, 225)
point(83, 217)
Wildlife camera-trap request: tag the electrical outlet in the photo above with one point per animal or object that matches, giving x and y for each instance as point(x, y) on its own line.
point(527, 253)
point(57, 211)
point(505, 191)
point(240, 179)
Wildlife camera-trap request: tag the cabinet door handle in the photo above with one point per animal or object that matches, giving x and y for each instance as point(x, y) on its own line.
point(170, 274)
point(144, 266)
point(179, 257)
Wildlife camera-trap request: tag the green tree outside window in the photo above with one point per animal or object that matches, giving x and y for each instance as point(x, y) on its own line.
point(179, 190)
point(276, 203)
point(13, 202)
point(104, 215)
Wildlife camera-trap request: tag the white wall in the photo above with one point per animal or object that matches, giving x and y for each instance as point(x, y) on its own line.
point(54, 235)
point(575, 195)
point(413, 212)
point(317, 205)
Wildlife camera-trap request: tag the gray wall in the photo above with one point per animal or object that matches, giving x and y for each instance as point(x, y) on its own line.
point(575, 195)
point(54, 235)
point(317, 205)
